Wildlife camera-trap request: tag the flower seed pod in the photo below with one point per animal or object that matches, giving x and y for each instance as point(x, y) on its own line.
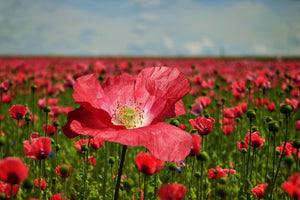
point(197, 175)
point(33, 87)
point(84, 147)
point(57, 147)
point(172, 166)
point(28, 184)
point(286, 109)
point(47, 109)
point(111, 160)
point(175, 122)
point(268, 119)
point(296, 144)
point(273, 126)
point(56, 123)
point(2, 141)
point(244, 150)
point(251, 114)
point(203, 156)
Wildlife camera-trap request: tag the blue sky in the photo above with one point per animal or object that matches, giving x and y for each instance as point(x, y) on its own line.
point(150, 28)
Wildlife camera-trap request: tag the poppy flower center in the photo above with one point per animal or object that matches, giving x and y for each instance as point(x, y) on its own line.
point(130, 116)
point(13, 178)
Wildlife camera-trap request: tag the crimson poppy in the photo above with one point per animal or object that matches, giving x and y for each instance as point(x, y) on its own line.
point(173, 191)
point(216, 173)
point(13, 170)
point(148, 164)
point(96, 143)
point(292, 186)
point(196, 145)
point(297, 126)
point(259, 190)
point(289, 149)
point(79, 143)
point(58, 197)
point(242, 145)
point(205, 101)
point(93, 160)
point(51, 130)
point(227, 129)
point(38, 148)
point(197, 109)
point(271, 106)
point(43, 184)
point(6, 189)
point(4, 86)
point(63, 171)
point(256, 140)
point(17, 112)
point(203, 125)
point(128, 110)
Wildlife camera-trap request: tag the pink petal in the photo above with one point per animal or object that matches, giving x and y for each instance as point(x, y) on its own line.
point(164, 141)
point(176, 110)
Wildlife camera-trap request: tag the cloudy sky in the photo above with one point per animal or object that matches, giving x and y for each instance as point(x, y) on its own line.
point(150, 27)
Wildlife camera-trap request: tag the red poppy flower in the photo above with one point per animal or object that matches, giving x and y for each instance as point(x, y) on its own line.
point(127, 109)
point(34, 135)
point(58, 197)
point(93, 160)
point(38, 148)
point(297, 126)
point(203, 125)
point(13, 170)
point(173, 191)
point(231, 170)
point(63, 171)
point(292, 186)
point(205, 101)
point(51, 130)
point(256, 140)
point(41, 103)
point(229, 113)
point(196, 145)
point(292, 102)
point(197, 109)
point(243, 106)
point(216, 173)
point(242, 145)
point(43, 184)
point(96, 143)
point(289, 149)
point(6, 187)
point(4, 86)
point(80, 142)
point(148, 164)
point(17, 112)
point(183, 126)
point(259, 190)
point(227, 130)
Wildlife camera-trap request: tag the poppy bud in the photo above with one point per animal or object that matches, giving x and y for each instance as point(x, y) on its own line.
point(296, 144)
point(277, 71)
point(250, 87)
point(2, 196)
point(175, 122)
point(11, 82)
point(47, 109)
point(197, 175)
point(218, 104)
point(190, 106)
point(27, 118)
point(217, 86)
point(28, 184)
point(101, 78)
point(277, 152)
point(273, 126)
point(111, 160)
point(203, 156)
point(237, 119)
point(84, 147)
point(52, 141)
point(289, 161)
point(268, 119)
point(206, 114)
point(2, 141)
point(172, 166)
point(290, 86)
point(56, 123)
point(64, 170)
point(33, 87)
point(254, 128)
point(244, 150)
point(223, 99)
point(286, 109)
point(128, 184)
point(57, 147)
point(203, 93)
point(251, 114)
point(193, 66)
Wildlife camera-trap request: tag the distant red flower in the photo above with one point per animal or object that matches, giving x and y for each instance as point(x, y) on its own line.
point(203, 125)
point(197, 109)
point(229, 113)
point(34, 135)
point(17, 112)
point(297, 126)
point(259, 190)
point(6, 187)
point(41, 103)
point(205, 101)
point(256, 140)
point(128, 109)
point(271, 106)
point(231, 170)
point(173, 191)
point(227, 130)
point(58, 197)
point(51, 130)
point(183, 126)
point(292, 102)
point(43, 184)
point(243, 106)
point(292, 186)
point(96, 143)
point(93, 160)
point(148, 164)
point(196, 145)
point(289, 149)
point(241, 145)
point(238, 112)
point(52, 102)
point(38, 148)
point(4, 86)
point(13, 170)
point(79, 143)
point(63, 171)
point(216, 173)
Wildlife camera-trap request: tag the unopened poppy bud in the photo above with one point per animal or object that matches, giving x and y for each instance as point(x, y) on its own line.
point(273, 126)
point(251, 114)
point(111, 160)
point(197, 175)
point(204, 93)
point(237, 119)
point(203, 156)
point(175, 122)
point(84, 147)
point(222, 192)
point(25, 80)
point(289, 161)
point(56, 123)
point(172, 166)
point(296, 144)
point(28, 184)
point(2, 196)
point(33, 87)
point(254, 128)
point(206, 114)
point(223, 180)
point(277, 71)
point(64, 170)
point(216, 71)
point(250, 87)
point(47, 109)
point(57, 147)
point(223, 99)
point(2, 141)
point(128, 184)
point(277, 152)
point(190, 106)
point(101, 78)
point(27, 118)
point(11, 82)
point(194, 131)
point(268, 119)
point(193, 66)
point(218, 104)
point(286, 109)
point(244, 150)
point(217, 86)
point(290, 86)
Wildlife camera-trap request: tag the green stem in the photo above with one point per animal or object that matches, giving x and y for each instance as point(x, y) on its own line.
point(46, 124)
point(268, 148)
point(146, 187)
point(120, 172)
point(201, 179)
point(105, 172)
point(249, 151)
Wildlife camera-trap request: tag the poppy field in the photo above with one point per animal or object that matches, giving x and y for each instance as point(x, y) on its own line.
point(149, 128)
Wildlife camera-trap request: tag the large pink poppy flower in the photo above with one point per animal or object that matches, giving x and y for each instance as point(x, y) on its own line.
point(128, 109)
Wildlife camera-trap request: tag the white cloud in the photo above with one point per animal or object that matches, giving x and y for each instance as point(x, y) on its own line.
point(197, 48)
point(145, 3)
point(169, 43)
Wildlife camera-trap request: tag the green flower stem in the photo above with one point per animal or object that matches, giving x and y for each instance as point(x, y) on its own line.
point(46, 124)
point(146, 178)
point(33, 110)
point(201, 179)
point(268, 152)
point(105, 172)
point(249, 150)
point(120, 172)
point(274, 153)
